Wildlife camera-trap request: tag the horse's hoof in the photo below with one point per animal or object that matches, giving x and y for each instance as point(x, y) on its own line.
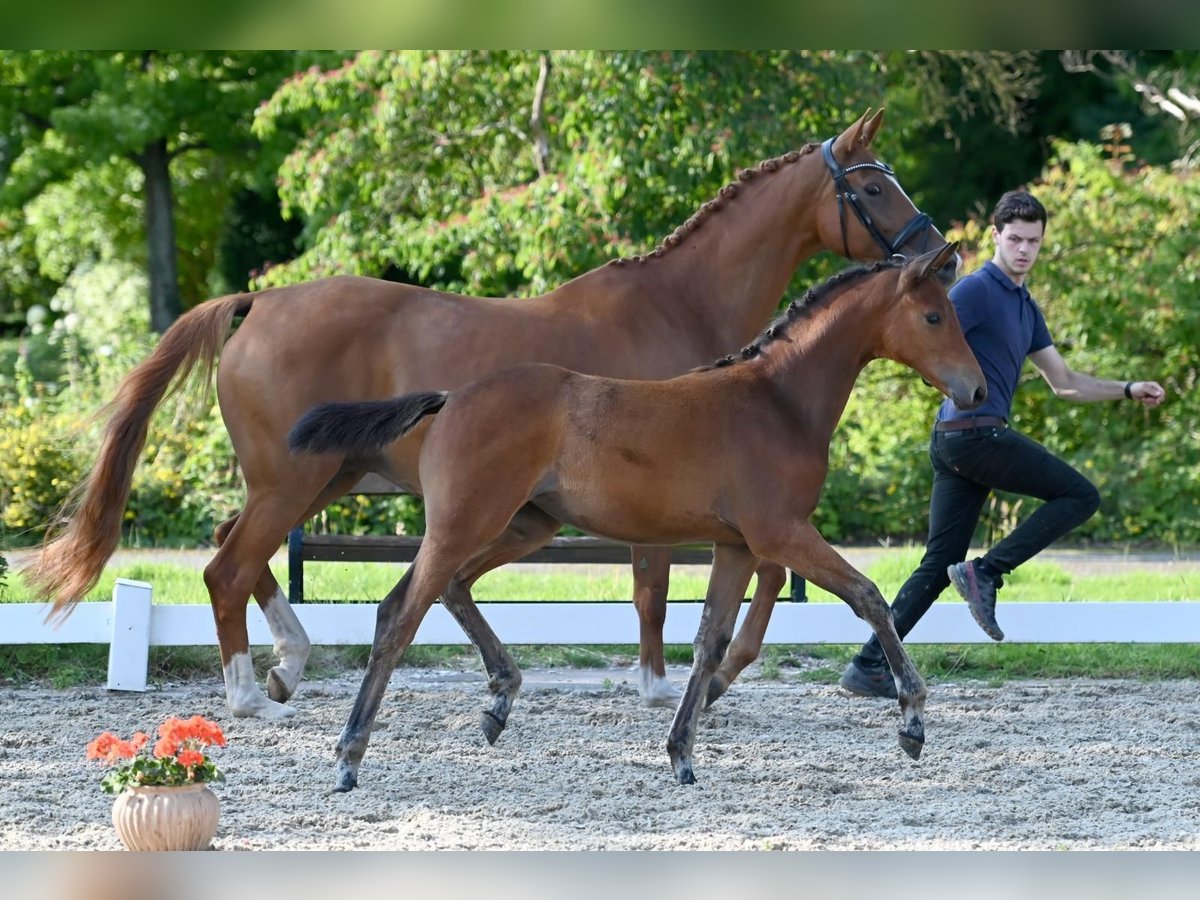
point(655, 690)
point(491, 725)
point(277, 688)
point(685, 775)
point(346, 783)
point(911, 744)
point(265, 709)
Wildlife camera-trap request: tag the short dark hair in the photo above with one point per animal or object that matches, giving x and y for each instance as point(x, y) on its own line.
point(1018, 205)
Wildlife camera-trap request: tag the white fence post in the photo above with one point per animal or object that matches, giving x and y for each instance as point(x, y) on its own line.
point(129, 651)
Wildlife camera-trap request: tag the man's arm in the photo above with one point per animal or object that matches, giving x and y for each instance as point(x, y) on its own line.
point(1082, 388)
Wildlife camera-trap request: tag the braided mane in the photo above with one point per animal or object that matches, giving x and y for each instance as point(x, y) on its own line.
point(724, 196)
point(800, 309)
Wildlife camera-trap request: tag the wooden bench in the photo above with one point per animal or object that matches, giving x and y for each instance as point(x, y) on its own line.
point(304, 546)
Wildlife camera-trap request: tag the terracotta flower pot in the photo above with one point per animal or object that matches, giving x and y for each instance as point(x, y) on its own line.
point(167, 818)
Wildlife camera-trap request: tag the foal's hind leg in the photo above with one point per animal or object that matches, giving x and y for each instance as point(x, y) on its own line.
point(748, 643)
point(396, 624)
point(651, 578)
point(808, 554)
point(731, 571)
point(529, 529)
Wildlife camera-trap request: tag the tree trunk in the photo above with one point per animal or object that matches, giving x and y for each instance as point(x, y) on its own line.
point(165, 305)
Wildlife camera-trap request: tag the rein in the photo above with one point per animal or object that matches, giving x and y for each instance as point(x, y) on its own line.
point(846, 196)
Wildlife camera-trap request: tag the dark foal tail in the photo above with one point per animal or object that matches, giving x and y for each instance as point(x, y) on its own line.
point(87, 528)
point(362, 429)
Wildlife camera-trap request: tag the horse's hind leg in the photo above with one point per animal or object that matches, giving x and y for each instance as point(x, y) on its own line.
point(651, 578)
point(290, 641)
point(748, 643)
point(529, 529)
point(808, 554)
point(732, 567)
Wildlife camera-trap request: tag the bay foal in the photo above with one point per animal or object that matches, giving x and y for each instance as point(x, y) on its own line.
point(735, 454)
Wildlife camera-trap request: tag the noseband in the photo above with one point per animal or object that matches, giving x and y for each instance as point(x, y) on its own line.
point(846, 196)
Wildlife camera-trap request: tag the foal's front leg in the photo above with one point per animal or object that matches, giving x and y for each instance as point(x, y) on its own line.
point(808, 554)
point(732, 567)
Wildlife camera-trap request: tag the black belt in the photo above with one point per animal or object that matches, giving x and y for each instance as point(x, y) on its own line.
point(977, 422)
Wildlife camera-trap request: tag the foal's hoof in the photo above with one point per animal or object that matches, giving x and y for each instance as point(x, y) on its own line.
point(491, 725)
point(716, 687)
point(912, 744)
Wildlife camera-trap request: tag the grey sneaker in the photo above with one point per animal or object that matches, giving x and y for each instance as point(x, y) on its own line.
point(980, 593)
point(869, 681)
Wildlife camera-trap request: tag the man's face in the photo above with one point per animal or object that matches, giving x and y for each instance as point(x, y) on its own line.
point(1017, 246)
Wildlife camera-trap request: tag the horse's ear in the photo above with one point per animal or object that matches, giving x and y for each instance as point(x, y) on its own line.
point(929, 263)
point(870, 127)
point(860, 134)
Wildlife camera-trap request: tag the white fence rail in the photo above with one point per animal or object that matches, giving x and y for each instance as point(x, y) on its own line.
point(131, 623)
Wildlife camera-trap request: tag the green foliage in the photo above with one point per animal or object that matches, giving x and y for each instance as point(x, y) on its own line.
point(37, 466)
point(424, 167)
point(1117, 280)
point(78, 126)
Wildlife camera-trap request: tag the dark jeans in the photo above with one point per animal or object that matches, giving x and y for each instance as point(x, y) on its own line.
point(967, 466)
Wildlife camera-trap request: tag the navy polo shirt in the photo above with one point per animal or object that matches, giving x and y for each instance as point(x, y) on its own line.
point(1002, 325)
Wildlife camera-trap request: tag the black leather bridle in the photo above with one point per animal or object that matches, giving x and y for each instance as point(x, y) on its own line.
point(846, 197)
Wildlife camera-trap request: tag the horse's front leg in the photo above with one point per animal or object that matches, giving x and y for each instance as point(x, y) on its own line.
point(651, 578)
point(732, 567)
point(807, 553)
point(748, 643)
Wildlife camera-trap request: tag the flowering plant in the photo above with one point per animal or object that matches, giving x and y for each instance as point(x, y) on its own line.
point(177, 757)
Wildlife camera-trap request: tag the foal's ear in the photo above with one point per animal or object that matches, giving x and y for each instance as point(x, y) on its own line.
point(860, 134)
point(921, 267)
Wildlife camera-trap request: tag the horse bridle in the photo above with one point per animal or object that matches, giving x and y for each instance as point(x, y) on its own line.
point(847, 196)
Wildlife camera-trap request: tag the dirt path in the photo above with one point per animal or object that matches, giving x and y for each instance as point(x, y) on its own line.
point(1032, 765)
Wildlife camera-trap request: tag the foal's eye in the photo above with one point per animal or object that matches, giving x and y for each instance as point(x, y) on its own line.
point(933, 318)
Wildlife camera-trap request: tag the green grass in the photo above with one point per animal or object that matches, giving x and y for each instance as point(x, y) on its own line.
point(369, 582)
point(66, 665)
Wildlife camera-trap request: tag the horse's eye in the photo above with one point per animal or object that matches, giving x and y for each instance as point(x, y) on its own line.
point(874, 190)
point(933, 318)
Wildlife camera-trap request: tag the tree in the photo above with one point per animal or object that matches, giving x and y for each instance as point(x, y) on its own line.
point(1166, 82)
point(506, 173)
point(91, 131)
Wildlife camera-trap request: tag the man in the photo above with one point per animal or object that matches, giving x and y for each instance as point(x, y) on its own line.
point(975, 452)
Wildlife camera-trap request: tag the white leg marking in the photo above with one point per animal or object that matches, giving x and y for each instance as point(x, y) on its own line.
point(243, 695)
point(292, 647)
point(655, 689)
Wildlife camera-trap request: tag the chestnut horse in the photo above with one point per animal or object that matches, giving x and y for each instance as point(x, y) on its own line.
point(734, 453)
point(707, 289)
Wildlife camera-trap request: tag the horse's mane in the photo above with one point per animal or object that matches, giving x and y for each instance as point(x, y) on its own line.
point(801, 309)
point(707, 210)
